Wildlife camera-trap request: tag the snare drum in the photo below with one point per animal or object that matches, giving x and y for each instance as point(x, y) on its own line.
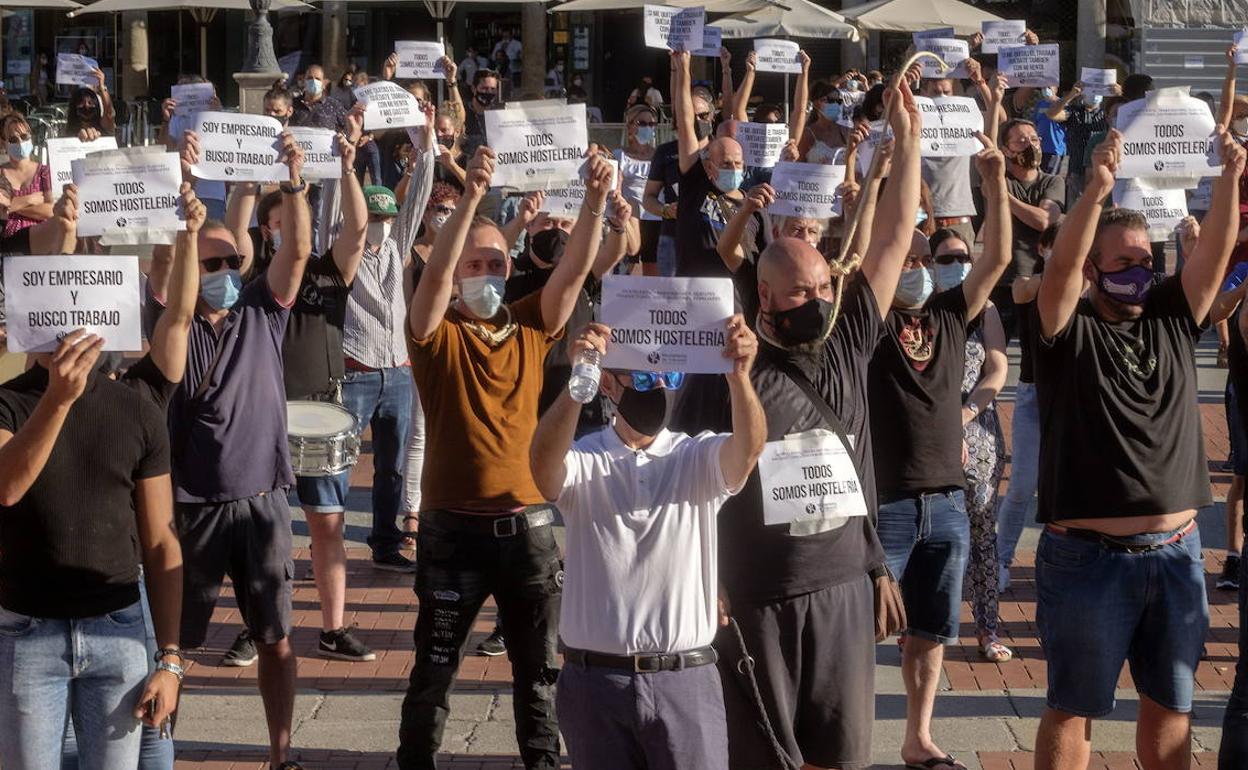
point(323, 438)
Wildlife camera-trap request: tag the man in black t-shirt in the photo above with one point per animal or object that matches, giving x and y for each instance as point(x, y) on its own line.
point(915, 391)
point(1119, 570)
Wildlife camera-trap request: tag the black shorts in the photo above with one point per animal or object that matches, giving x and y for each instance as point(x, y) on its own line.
point(650, 231)
point(815, 664)
point(250, 541)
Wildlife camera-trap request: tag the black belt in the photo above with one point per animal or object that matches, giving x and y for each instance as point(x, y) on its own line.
point(1110, 543)
point(508, 525)
point(646, 662)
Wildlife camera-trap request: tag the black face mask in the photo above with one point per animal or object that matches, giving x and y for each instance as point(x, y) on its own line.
point(485, 99)
point(446, 141)
point(645, 411)
point(702, 128)
point(803, 324)
point(548, 245)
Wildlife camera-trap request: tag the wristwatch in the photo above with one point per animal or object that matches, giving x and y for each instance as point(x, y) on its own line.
point(290, 189)
point(168, 652)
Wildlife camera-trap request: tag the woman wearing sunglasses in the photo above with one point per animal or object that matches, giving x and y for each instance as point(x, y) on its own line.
point(641, 124)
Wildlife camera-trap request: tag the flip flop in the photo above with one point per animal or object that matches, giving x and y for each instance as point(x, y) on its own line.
point(935, 762)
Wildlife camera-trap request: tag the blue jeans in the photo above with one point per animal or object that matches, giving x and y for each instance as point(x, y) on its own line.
point(90, 669)
point(927, 540)
point(383, 400)
point(1024, 474)
point(1233, 754)
point(1097, 607)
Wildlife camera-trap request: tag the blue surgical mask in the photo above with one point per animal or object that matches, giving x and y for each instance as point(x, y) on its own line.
point(914, 287)
point(948, 276)
point(832, 111)
point(1048, 93)
point(1093, 101)
point(729, 179)
point(221, 290)
point(645, 134)
point(22, 149)
point(276, 238)
point(483, 294)
point(312, 87)
point(852, 84)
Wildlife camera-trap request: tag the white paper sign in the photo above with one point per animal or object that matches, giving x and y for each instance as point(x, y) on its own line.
point(778, 56)
point(1241, 56)
point(63, 151)
point(47, 297)
point(1098, 82)
point(712, 41)
point(676, 29)
point(806, 190)
point(389, 105)
point(944, 32)
point(192, 98)
point(129, 196)
point(1163, 209)
point(320, 151)
point(878, 131)
point(1034, 66)
point(538, 146)
point(236, 147)
point(667, 324)
point(953, 52)
point(566, 202)
point(1200, 198)
point(761, 143)
point(419, 59)
point(849, 101)
point(1166, 134)
point(75, 70)
point(949, 126)
point(1002, 33)
point(809, 481)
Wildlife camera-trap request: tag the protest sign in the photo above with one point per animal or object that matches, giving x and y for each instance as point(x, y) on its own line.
point(676, 29)
point(778, 56)
point(75, 70)
point(849, 101)
point(667, 324)
point(1166, 134)
point(566, 201)
point(47, 297)
point(236, 147)
point(538, 146)
point(320, 152)
point(761, 143)
point(949, 126)
point(878, 131)
point(62, 151)
point(1241, 56)
point(712, 41)
point(192, 98)
point(1163, 208)
point(809, 482)
point(389, 105)
point(1200, 197)
point(1002, 33)
point(806, 190)
point(953, 53)
point(1030, 65)
point(419, 59)
point(941, 32)
point(129, 196)
point(1098, 82)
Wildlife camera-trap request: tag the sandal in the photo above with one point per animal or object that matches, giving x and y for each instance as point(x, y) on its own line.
point(937, 762)
point(409, 541)
point(992, 650)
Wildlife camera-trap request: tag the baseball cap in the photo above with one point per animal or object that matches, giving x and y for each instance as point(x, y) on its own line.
point(381, 201)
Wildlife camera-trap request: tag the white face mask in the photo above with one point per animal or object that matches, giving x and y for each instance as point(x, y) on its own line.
point(378, 232)
point(438, 221)
point(276, 236)
point(1240, 126)
point(483, 294)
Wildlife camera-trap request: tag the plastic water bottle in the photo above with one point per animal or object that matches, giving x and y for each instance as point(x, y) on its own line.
point(586, 371)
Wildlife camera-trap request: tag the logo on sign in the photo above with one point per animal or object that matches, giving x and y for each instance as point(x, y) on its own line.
point(229, 171)
point(935, 146)
point(530, 171)
point(654, 357)
point(121, 221)
point(811, 508)
point(1159, 165)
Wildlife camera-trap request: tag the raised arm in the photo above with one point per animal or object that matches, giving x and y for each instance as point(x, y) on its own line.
point(108, 116)
point(433, 293)
point(729, 244)
point(1057, 110)
point(565, 282)
point(420, 168)
point(997, 230)
point(1063, 273)
point(741, 99)
point(1226, 302)
point(528, 210)
point(1226, 107)
point(994, 115)
point(886, 254)
point(1202, 274)
point(285, 272)
point(169, 338)
point(58, 234)
point(239, 208)
point(454, 101)
point(682, 104)
point(749, 426)
point(728, 94)
point(617, 243)
point(557, 427)
point(348, 249)
point(801, 99)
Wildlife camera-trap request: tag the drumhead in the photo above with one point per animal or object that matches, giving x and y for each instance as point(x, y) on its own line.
point(317, 418)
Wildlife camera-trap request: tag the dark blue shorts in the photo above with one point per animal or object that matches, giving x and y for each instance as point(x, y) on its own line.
point(1098, 608)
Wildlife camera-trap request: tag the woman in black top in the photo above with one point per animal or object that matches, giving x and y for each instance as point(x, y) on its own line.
point(91, 114)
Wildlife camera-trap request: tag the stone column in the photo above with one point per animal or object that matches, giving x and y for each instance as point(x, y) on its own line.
point(533, 38)
point(134, 67)
point(334, 39)
point(1090, 43)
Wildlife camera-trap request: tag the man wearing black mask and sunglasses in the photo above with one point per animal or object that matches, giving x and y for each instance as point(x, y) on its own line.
point(485, 94)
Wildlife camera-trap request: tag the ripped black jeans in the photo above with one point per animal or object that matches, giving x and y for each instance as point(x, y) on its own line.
point(455, 573)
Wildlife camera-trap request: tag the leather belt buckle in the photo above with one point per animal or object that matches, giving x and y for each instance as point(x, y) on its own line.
point(509, 520)
point(647, 664)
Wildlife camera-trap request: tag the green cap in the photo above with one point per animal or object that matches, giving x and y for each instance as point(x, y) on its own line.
point(381, 201)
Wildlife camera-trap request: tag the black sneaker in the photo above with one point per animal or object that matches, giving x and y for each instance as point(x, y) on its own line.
point(289, 764)
point(493, 646)
point(342, 645)
point(1229, 579)
point(242, 653)
point(394, 562)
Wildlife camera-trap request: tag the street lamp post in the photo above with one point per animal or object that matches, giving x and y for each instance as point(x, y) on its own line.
point(260, 56)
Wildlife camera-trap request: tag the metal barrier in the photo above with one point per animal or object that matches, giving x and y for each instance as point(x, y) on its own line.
point(611, 135)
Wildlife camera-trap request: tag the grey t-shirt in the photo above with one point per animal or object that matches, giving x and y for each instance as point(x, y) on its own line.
point(949, 180)
point(1045, 187)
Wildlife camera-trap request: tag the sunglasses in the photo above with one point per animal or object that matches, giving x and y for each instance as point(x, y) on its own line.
point(645, 123)
point(643, 381)
point(213, 264)
point(953, 256)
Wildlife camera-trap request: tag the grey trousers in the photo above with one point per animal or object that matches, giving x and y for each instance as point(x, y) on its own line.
point(668, 720)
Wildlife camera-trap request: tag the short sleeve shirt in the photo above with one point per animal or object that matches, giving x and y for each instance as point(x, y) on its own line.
point(665, 168)
point(1045, 187)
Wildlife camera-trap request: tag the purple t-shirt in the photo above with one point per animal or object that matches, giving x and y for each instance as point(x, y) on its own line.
point(230, 443)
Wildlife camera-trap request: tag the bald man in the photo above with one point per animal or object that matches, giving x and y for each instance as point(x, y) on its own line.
point(805, 578)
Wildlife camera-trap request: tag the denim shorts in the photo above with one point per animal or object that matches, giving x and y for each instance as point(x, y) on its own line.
point(322, 494)
point(926, 541)
point(1097, 608)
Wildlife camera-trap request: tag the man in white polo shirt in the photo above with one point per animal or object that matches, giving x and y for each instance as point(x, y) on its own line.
point(640, 594)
